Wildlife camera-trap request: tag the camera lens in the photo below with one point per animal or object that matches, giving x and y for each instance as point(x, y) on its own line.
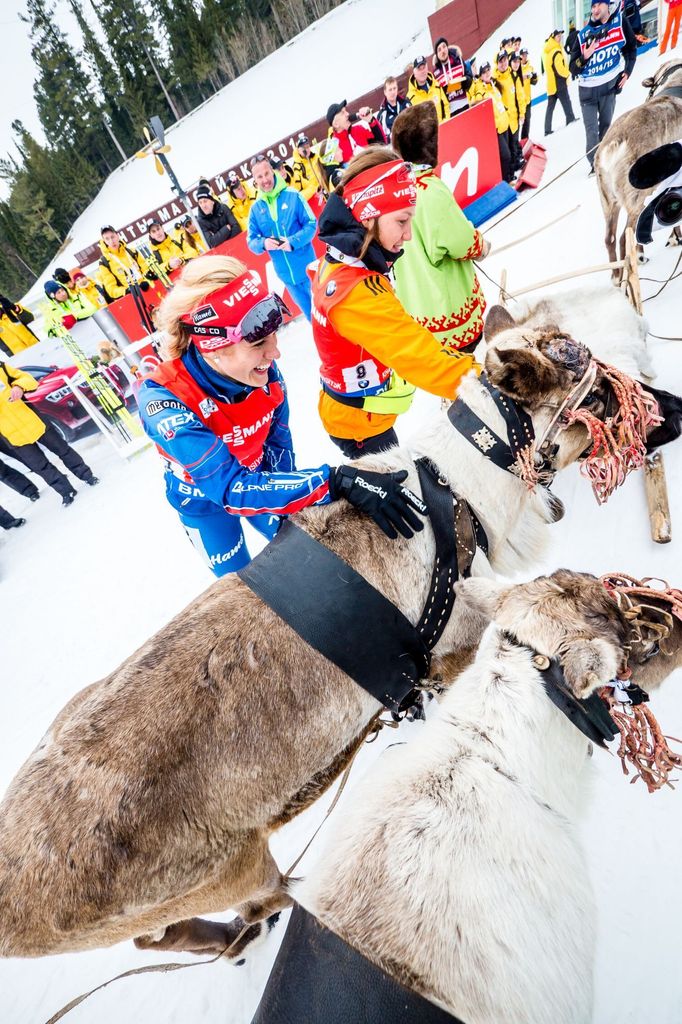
point(669, 207)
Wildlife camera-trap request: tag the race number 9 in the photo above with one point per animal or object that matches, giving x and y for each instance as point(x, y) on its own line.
point(361, 376)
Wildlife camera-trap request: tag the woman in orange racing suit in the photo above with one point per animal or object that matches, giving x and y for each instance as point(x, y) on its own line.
point(369, 346)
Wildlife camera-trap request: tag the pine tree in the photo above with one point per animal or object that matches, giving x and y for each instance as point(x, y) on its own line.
point(136, 54)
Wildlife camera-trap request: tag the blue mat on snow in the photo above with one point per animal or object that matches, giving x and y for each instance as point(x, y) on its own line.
point(490, 203)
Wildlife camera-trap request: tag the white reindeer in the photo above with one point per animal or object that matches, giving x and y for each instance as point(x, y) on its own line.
point(456, 867)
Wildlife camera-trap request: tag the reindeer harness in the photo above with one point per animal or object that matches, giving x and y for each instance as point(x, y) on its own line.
point(335, 610)
point(318, 978)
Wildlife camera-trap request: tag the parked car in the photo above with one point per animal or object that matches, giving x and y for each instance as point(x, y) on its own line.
point(56, 404)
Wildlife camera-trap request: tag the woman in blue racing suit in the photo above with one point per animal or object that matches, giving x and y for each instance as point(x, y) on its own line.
point(217, 411)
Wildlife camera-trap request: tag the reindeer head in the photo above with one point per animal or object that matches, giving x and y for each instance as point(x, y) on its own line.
point(669, 73)
point(568, 615)
point(537, 367)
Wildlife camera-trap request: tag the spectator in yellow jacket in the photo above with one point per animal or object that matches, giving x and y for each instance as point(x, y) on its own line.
point(556, 68)
point(15, 335)
point(530, 79)
point(306, 175)
point(423, 86)
point(24, 431)
point(509, 91)
point(188, 230)
point(170, 253)
point(483, 88)
point(239, 198)
point(87, 286)
point(119, 264)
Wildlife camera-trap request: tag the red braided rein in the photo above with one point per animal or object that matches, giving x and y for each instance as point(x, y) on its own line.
point(619, 443)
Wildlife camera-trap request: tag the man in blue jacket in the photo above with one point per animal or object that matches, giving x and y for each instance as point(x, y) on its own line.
point(282, 223)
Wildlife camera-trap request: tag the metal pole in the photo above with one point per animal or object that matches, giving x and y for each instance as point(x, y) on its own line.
point(115, 141)
point(154, 68)
point(179, 190)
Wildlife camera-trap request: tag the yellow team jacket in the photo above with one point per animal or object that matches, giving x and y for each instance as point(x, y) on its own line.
point(375, 319)
point(114, 264)
point(91, 293)
point(480, 91)
point(240, 207)
point(19, 424)
point(435, 93)
point(15, 336)
point(171, 248)
point(528, 71)
point(555, 64)
point(513, 96)
point(306, 176)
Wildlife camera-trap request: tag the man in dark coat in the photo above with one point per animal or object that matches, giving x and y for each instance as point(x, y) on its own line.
point(217, 222)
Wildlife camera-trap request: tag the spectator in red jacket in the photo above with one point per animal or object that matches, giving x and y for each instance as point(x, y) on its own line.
point(352, 132)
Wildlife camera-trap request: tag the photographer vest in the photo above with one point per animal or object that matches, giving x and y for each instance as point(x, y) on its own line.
point(606, 63)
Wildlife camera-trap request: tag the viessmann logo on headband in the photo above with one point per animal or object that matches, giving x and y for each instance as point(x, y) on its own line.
point(249, 286)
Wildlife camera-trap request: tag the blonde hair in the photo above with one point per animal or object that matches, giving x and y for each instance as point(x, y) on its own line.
point(198, 279)
point(372, 156)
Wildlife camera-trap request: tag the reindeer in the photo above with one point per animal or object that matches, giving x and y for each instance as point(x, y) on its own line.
point(656, 121)
point(457, 867)
point(152, 796)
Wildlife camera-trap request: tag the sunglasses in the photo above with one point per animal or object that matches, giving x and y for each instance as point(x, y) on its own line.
point(258, 159)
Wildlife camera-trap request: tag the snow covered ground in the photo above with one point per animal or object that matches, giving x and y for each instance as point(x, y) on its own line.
point(81, 588)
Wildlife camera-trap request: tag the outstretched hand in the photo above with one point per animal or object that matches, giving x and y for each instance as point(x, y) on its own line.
point(380, 496)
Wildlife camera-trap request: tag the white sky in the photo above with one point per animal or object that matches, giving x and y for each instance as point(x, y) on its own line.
point(18, 73)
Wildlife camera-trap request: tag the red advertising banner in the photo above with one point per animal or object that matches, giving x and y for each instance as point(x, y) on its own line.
point(469, 165)
point(469, 153)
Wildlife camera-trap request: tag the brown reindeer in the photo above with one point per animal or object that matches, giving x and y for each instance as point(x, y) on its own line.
point(656, 121)
point(152, 796)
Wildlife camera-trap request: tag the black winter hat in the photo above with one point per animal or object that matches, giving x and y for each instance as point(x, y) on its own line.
point(204, 192)
point(333, 110)
point(61, 275)
point(441, 39)
point(107, 227)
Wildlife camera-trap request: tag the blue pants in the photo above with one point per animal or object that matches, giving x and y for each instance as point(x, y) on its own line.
point(302, 296)
point(219, 538)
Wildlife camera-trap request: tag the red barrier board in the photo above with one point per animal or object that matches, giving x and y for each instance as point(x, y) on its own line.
point(469, 153)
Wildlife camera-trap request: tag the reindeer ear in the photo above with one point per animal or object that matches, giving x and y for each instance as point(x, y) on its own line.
point(481, 594)
point(647, 82)
point(498, 319)
point(589, 664)
point(524, 375)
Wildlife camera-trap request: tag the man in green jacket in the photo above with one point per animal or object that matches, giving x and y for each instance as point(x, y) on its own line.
point(435, 277)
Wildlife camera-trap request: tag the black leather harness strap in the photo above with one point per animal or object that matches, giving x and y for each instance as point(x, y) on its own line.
point(318, 978)
point(335, 610)
point(519, 427)
point(340, 614)
point(458, 533)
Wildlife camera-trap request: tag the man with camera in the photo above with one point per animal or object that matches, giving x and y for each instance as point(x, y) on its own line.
point(602, 60)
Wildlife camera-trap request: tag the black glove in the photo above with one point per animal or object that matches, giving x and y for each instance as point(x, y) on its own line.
point(145, 286)
point(380, 496)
